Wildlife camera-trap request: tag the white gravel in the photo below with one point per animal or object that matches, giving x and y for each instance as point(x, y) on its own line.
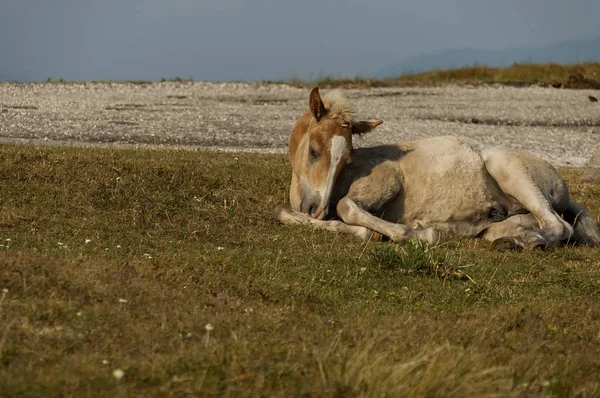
point(562, 126)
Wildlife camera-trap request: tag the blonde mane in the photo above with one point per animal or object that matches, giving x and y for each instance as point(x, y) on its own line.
point(338, 107)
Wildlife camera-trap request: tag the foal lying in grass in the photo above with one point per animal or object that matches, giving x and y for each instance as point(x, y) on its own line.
point(424, 189)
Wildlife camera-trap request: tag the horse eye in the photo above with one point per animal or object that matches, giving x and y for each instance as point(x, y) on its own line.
point(314, 154)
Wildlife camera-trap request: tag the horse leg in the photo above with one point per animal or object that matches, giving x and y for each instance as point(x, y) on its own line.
point(535, 186)
point(369, 195)
point(515, 233)
point(289, 216)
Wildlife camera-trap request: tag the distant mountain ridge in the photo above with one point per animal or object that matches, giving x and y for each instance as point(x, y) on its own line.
point(573, 51)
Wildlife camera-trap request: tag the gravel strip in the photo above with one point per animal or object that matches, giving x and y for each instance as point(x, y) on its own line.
point(562, 126)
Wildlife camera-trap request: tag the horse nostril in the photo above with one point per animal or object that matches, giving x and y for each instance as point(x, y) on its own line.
point(310, 204)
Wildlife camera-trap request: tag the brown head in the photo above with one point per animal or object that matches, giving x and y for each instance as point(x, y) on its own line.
point(321, 151)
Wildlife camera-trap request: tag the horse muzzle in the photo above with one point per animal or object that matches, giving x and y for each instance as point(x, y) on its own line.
point(311, 205)
point(320, 213)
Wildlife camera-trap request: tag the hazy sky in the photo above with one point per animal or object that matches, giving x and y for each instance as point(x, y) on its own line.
point(260, 39)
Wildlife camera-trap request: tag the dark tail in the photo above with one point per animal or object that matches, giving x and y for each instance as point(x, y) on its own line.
point(584, 226)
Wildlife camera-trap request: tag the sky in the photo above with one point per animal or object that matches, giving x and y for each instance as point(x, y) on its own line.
point(222, 40)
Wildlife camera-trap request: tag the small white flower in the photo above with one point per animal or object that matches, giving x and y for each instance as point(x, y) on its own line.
point(118, 246)
point(87, 241)
point(206, 338)
point(104, 362)
point(79, 313)
point(60, 243)
point(220, 248)
point(122, 300)
point(106, 249)
point(118, 374)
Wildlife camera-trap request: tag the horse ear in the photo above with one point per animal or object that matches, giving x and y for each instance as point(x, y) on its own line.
point(364, 127)
point(316, 104)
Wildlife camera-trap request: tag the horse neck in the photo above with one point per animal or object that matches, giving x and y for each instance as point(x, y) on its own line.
point(299, 131)
point(363, 162)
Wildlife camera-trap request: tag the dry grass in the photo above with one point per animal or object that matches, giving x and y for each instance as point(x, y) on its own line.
point(165, 264)
point(517, 74)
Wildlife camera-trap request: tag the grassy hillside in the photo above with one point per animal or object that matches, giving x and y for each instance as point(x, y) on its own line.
point(566, 52)
point(160, 272)
point(517, 74)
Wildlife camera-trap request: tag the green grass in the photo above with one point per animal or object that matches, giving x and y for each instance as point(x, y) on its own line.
point(122, 258)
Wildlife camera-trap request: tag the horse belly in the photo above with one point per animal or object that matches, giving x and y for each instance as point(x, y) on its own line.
point(453, 193)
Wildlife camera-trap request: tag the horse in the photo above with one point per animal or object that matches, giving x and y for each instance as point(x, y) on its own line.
point(428, 189)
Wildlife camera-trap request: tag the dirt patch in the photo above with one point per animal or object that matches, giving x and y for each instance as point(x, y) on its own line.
point(595, 161)
point(554, 124)
point(123, 123)
point(20, 107)
point(525, 123)
point(402, 94)
point(124, 107)
point(579, 82)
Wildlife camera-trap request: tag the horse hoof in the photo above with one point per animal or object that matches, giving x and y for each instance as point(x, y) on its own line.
point(287, 215)
point(536, 244)
point(377, 237)
point(507, 243)
point(280, 212)
point(431, 236)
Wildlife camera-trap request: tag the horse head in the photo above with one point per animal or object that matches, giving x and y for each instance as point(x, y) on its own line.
point(324, 148)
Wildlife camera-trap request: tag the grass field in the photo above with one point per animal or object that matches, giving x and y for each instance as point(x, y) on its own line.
point(159, 272)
